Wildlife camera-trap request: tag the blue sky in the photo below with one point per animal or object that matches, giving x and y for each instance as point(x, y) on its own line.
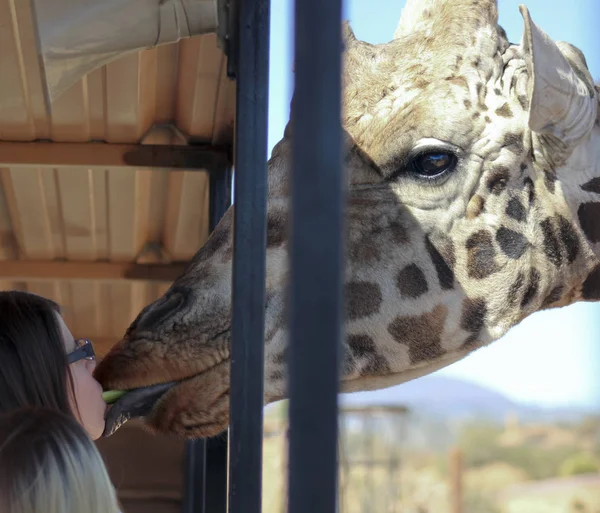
point(551, 358)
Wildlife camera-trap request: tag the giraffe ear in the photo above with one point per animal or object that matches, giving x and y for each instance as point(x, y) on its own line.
point(561, 101)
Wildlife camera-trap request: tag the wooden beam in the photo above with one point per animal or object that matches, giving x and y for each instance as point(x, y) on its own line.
point(105, 155)
point(23, 270)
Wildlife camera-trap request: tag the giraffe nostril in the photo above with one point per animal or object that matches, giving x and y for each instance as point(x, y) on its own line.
point(475, 207)
point(162, 309)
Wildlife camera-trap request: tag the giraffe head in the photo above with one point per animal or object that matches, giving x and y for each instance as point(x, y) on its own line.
point(470, 206)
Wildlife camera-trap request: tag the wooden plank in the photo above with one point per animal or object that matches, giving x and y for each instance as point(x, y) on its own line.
point(199, 71)
point(32, 79)
point(16, 122)
point(186, 223)
point(8, 242)
point(70, 114)
point(128, 204)
point(130, 88)
point(120, 308)
point(54, 209)
point(166, 82)
point(17, 155)
point(76, 194)
point(23, 270)
point(26, 199)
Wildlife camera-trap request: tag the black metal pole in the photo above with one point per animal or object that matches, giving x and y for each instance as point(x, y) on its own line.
point(205, 489)
point(249, 258)
point(195, 477)
point(316, 258)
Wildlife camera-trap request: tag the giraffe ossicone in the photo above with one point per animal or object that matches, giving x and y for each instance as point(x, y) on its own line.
point(473, 201)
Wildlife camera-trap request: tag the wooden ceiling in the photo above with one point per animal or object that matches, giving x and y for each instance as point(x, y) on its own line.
point(78, 222)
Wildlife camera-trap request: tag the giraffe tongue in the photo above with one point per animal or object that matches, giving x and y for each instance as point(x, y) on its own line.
point(135, 403)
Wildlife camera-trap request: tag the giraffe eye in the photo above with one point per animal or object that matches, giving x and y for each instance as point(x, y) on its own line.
point(433, 164)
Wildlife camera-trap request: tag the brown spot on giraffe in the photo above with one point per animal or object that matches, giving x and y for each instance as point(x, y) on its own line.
point(470, 343)
point(554, 296)
point(532, 287)
point(365, 252)
point(515, 288)
point(399, 232)
point(590, 289)
point(281, 358)
point(514, 143)
point(588, 214)
point(550, 180)
point(481, 255)
point(504, 111)
point(523, 101)
point(411, 281)
point(363, 298)
point(276, 375)
point(473, 314)
point(459, 81)
point(513, 244)
point(276, 229)
point(421, 333)
point(569, 238)
point(560, 240)
point(592, 185)
point(515, 210)
point(443, 260)
point(530, 186)
point(551, 242)
point(498, 180)
point(362, 347)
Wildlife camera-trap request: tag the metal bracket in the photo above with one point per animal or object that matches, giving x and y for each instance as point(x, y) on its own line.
point(227, 33)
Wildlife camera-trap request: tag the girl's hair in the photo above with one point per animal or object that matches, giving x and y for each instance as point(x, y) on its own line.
point(49, 464)
point(33, 361)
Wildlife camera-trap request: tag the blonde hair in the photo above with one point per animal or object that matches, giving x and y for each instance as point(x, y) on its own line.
point(49, 464)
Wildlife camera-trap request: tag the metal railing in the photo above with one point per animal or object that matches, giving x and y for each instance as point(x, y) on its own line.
point(316, 268)
point(315, 258)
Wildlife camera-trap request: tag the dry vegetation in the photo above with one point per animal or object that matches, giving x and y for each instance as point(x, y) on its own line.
point(507, 468)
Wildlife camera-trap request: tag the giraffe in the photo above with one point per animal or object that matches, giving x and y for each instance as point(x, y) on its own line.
point(473, 198)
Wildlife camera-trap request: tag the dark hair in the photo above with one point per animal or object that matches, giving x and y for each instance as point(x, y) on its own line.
point(33, 361)
point(49, 463)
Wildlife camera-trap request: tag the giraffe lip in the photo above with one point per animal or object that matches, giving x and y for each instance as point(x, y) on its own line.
point(136, 403)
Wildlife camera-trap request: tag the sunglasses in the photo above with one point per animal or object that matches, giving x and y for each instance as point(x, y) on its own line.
point(84, 350)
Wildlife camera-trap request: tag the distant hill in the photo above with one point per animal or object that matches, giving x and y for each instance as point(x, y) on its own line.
point(454, 399)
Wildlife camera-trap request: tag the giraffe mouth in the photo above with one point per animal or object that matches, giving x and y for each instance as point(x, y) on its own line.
point(165, 407)
point(137, 402)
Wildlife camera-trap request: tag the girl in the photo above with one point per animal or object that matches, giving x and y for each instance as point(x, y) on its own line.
point(42, 365)
point(48, 464)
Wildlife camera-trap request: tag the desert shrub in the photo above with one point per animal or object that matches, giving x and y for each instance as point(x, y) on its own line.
point(580, 463)
point(477, 502)
point(479, 443)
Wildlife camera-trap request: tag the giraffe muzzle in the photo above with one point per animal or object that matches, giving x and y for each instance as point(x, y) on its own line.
point(135, 403)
